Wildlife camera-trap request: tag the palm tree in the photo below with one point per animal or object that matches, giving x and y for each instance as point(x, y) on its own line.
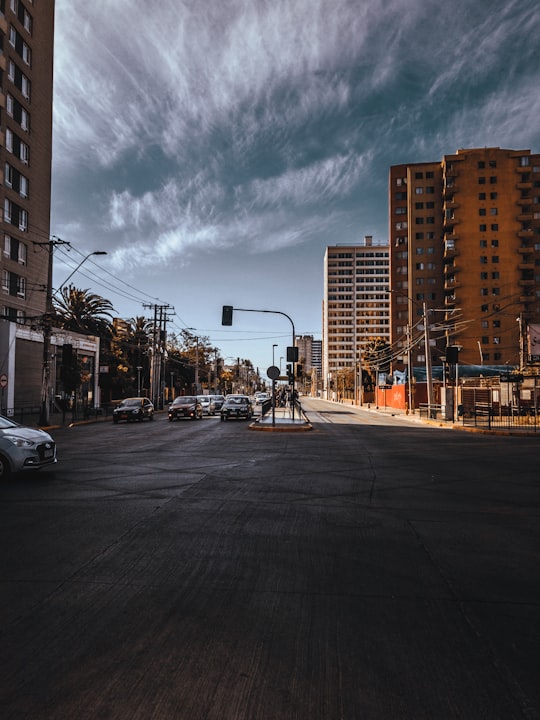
point(83, 312)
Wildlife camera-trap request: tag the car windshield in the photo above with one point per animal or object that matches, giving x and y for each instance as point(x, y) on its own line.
point(185, 400)
point(6, 423)
point(130, 402)
point(237, 400)
point(204, 399)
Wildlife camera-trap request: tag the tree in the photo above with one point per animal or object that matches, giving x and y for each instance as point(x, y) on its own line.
point(376, 359)
point(83, 312)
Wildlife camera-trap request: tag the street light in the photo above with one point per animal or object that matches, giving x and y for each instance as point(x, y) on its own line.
point(96, 252)
point(273, 349)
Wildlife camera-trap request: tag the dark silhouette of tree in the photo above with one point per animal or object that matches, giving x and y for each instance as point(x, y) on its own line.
point(83, 312)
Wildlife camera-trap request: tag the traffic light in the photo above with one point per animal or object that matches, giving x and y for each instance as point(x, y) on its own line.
point(292, 354)
point(299, 371)
point(290, 373)
point(227, 315)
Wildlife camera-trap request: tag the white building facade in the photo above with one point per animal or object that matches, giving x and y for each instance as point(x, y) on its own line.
point(356, 310)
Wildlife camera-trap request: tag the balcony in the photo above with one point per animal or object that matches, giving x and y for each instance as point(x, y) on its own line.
point(524, 201)
point(528, 233)
point(527, 283)
point(525, 217)
point(524, 185)
point(526, 266)
point(526, 298)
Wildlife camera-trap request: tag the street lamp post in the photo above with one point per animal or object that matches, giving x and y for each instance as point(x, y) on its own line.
point(72, 273)
point(139, 368)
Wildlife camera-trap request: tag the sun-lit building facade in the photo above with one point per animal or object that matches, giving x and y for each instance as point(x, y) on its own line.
point(465, 249)
point(355, 307)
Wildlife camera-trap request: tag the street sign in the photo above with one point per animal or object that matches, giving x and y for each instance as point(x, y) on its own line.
point(273, 372)
point(3, 380)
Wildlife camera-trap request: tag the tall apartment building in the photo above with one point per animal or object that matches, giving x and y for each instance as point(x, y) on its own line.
point(26, 92)
point(465, 250)
point(356, 305)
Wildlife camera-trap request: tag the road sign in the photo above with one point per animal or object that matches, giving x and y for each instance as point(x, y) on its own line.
point(3, 380)
point(273, 372)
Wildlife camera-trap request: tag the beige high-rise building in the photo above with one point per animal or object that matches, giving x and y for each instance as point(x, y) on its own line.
point(355, 309)
point(465, 250)
point(26, 94)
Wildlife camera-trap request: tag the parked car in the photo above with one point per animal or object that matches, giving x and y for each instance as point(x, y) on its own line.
point(218, 401)
point(23, 448)
point(237, 406)
point(185, 406)
point(208, 404)
point(261, 397)
point(133, 409)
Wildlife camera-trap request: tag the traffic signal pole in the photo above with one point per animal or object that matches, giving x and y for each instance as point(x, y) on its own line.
point(227, 319)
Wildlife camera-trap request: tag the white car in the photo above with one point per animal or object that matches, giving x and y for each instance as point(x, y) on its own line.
point(208, 404)
point(23, 448)
point(261, 397)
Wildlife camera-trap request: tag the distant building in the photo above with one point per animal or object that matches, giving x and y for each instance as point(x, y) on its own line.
point(355, 308)
point(465, 250)
point(26, 58)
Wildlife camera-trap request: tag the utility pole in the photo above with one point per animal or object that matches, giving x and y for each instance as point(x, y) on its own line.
point(158, 347)
point(429, 380)
point(47, 319)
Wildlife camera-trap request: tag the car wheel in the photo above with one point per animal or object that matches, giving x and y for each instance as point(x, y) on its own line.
point(5, 469)
point(151, 416)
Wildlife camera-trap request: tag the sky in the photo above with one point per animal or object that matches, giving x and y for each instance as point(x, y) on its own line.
point(215, 148)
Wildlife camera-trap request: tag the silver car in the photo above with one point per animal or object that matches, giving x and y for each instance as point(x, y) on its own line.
point(23, 448)
point(208, 405)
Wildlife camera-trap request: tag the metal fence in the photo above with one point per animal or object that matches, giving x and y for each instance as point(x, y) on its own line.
point(492, 416)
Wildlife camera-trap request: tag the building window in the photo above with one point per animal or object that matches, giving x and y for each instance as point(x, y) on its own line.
point(483, 259)
point(494, 243)
point(482, 228)
point(493, 180)
point(481, 180)
point(483, 276)
point(493, 195)
point(483, 243)
point(13, 284)
point(493, 211)
point(15, 250)
point(482, 211)
point(481, 164)
point(494, 227)
point(495, 259)
point(482, 196)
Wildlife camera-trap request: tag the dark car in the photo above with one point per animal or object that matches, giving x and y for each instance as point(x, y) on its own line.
point(23, 448)
point(237, 406)
point(218, 401)
point(133, 409)
point(185, 406)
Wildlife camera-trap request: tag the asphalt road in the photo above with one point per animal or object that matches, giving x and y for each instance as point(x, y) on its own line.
point(370, 568)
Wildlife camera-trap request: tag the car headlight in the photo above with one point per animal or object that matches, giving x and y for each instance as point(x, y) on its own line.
point(18, 441)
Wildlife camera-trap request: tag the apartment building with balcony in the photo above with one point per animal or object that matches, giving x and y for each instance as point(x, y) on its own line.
point(465, 250)
point(26, 94)
point(355, 307)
